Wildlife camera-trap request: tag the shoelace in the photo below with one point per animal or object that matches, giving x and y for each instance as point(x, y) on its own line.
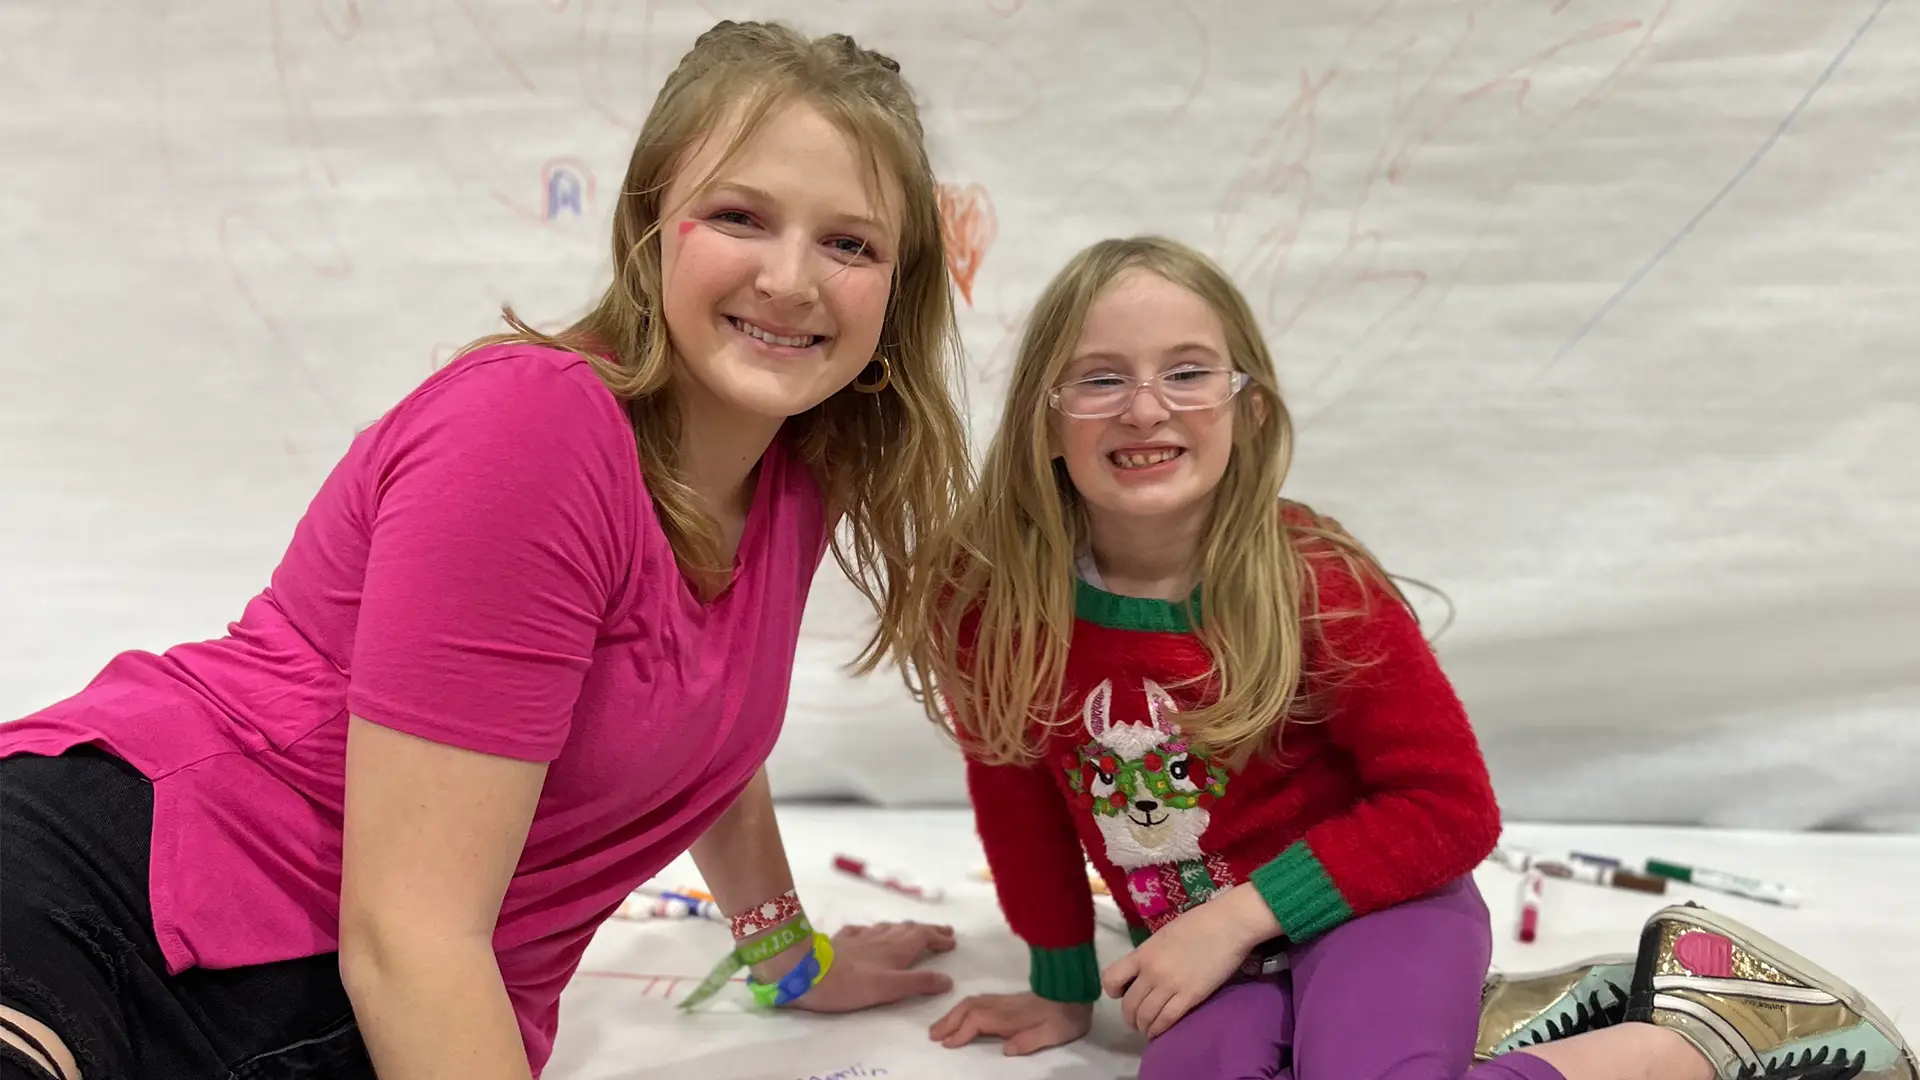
point(1591, 1015)
point(1810, 1065)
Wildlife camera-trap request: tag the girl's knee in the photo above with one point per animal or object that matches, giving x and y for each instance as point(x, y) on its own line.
point(1243, 1032)
point(1173, 1056)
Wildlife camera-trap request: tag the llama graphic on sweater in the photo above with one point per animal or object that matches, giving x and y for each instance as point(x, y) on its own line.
point(1147, 789)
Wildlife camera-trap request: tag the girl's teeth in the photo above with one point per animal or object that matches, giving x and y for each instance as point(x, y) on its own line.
point(753, 331)
point(1135, 461)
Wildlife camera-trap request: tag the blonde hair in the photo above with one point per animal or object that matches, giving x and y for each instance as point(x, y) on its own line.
point(891, 462)
point(1001, 612)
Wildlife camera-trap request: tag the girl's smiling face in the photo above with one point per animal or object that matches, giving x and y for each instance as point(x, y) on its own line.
point(1149, 461)
point(776, 267)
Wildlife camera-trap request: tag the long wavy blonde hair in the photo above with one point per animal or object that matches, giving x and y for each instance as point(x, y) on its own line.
point(1000, 605)
point(893, 462)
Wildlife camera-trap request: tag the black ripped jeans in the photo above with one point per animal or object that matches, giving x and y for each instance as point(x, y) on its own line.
point(77, 947)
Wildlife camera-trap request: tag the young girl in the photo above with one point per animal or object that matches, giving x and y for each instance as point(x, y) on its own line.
point(531, 641)
point(1219, 697)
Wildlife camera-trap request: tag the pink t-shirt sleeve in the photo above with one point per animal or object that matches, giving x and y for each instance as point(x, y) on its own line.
point(500, 510)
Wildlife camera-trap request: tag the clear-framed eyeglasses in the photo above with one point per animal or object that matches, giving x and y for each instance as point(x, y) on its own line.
point(1186, 389)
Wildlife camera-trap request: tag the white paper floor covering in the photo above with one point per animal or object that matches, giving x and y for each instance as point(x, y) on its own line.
point(619, 1021)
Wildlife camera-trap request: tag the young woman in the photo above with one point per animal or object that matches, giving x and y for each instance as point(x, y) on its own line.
point(531, 641)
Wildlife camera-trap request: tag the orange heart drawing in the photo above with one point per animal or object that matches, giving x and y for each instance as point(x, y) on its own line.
point(968, 225)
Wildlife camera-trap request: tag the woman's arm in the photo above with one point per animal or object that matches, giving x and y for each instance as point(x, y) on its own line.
point(744, 863)
point(500, 504)
point(432, 835)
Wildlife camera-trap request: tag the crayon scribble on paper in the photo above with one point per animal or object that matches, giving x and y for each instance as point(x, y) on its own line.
point(968, 225)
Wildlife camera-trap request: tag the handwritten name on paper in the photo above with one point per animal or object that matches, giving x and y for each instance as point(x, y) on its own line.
point(851, 1072)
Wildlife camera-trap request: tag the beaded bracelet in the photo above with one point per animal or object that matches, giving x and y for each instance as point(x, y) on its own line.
point(794, 984)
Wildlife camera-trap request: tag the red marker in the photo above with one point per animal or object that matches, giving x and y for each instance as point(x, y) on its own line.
point(847, 864)
point(1532, 886)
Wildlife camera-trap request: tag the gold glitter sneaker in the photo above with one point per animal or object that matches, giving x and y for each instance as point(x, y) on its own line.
point(1529, 1008)
point(1757, 1011)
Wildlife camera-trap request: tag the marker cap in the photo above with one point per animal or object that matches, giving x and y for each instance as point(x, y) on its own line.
point(1673, 871)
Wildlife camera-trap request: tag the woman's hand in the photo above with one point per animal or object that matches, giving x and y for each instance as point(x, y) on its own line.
point(1026, 1022)
point(1184, 962)
point(874, 965)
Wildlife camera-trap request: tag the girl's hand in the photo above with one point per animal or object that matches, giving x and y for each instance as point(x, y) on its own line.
point(873, 965)
point(1183, 963)
point(1027, 1022)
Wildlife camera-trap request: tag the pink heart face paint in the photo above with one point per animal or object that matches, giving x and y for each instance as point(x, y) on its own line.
point(686, 227)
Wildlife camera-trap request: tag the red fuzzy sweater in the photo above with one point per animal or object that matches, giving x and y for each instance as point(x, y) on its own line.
point(1383, 801)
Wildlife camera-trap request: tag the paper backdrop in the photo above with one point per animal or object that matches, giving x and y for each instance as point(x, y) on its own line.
point(1601, 317)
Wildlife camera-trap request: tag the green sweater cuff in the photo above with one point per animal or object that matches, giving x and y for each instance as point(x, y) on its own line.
point(1070, 974)
point(1300, 894)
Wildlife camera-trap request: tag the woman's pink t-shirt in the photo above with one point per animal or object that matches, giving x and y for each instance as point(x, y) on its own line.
point(483, 568)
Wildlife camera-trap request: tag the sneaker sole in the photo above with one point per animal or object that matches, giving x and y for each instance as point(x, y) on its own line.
point(1793, 964)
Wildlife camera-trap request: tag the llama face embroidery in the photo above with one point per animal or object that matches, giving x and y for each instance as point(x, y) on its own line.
point(1148, 791)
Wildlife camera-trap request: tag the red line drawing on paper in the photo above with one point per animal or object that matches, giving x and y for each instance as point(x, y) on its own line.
point(507, 63)
point(1397, 169)
point(350, 22)
point(234, 226)
point(301, 126)
point(969, 226)
point(1286, 184)
point(1164, 93)
point(663, 986)
point(594, 35)
point(982, 92)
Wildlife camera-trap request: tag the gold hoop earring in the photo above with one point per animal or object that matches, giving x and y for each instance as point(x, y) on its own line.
point(886, 376)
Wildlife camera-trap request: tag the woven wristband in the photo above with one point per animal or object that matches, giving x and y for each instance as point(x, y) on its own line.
point(784, 937)
point(797, 982)
point(782, 908)
point(778, 940)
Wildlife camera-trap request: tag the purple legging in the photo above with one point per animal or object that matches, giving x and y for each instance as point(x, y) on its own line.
point(1390, 996)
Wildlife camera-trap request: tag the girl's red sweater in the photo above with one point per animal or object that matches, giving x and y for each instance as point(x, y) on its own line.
point(1383, 799)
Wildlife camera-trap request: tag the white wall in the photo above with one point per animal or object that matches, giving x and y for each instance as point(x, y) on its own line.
point(1601, 317)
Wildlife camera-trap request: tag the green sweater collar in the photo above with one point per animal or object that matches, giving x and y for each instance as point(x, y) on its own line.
point(1103, 608)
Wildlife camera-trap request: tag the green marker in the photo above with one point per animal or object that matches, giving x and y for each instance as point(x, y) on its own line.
point(1719, 881)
